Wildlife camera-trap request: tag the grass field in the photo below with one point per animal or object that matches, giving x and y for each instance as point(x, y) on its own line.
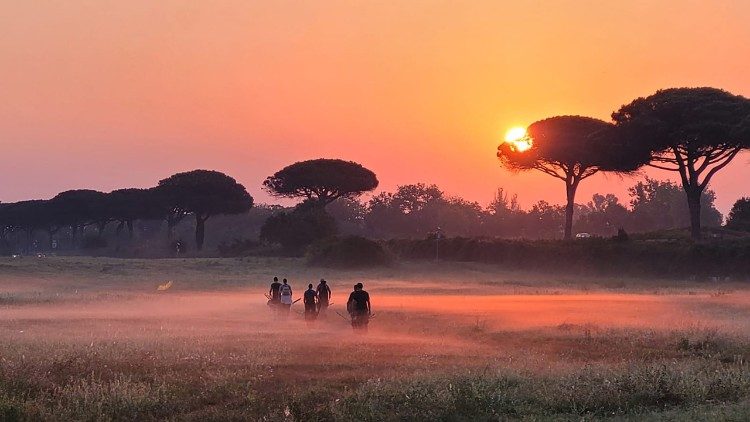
point(93, 339)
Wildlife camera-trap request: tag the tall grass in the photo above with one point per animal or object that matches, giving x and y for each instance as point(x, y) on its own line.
point(590, 392)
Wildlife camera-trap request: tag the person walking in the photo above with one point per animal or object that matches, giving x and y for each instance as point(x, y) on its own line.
point(359, 307)
point(324, 296)
point(311, 303)
point(285, 293)
point(274, 291)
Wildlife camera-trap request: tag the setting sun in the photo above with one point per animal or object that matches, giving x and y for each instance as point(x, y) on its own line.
point(515, 133)
point(518, 139)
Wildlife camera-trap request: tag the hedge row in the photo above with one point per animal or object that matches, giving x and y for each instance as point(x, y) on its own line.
point(591, 256)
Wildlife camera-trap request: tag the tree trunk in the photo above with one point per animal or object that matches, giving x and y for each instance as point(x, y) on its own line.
point(50, 234)
point(122, 225)
point(694, 205)
point(29, 240)
point(170, 227)
point(100, 226)
point(570, 190)
point(200, 231)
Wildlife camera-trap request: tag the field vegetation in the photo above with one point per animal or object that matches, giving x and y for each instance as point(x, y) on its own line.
point(94, 339)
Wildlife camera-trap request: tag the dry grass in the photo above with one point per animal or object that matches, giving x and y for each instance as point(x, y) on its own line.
point(92, 339)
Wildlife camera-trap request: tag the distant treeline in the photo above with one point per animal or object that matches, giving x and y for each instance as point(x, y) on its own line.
point(146, 222)
point(66, 221)
point(415, 211)
point(154, 221)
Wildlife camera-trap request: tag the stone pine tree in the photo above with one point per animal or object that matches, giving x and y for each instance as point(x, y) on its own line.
point(694, 132)
point(318, 183)
point(130, 204)
point(79, 208)
point(569, 148)
point(204, 193)
point(321, 181)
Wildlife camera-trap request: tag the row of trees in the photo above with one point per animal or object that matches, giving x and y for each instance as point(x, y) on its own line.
point(416, 211)
point(199, 193)
point(328, 208)
point(694, 132)
point(413, 211)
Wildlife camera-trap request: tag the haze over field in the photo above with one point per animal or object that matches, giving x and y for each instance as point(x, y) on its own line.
point(92, 89)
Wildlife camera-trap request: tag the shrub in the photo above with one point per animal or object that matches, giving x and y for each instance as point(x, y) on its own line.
point(347, 252)
point(296, 230)
point(592, 256)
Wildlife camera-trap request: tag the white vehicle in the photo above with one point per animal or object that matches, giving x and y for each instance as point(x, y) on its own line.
point(583, 235)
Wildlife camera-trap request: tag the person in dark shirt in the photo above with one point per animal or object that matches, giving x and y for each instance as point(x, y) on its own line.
point(359, 307)
point(324, 295)
point(274, 291)
point(311, 303)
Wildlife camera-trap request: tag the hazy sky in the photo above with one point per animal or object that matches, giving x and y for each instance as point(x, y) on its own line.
point(110, 94)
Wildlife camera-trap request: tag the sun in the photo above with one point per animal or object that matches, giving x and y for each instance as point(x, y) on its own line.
point(518, 139)
point(515, 133)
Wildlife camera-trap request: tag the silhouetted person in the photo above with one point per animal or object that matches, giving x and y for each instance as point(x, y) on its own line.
point(324, 295)
point(358, 307)
point(274, 291)
point(285, 292)
point(311, 303)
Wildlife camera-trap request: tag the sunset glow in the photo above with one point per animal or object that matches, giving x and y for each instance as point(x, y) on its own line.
point(93, 88)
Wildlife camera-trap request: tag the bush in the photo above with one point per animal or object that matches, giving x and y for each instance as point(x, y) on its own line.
point(296, 230)
point(651, 257)
point(347, 252)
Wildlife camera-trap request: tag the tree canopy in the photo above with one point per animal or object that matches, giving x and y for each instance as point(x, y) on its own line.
point(692, 131)
point(79, 208)
point(661, 205)
point(419, 209)
point(739, 216)
point(204, 193)
point(298, 229)
point(570, 148)
point(322, 180)
point(128, 205)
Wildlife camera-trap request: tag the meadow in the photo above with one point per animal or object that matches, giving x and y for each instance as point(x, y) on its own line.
point(93, 339)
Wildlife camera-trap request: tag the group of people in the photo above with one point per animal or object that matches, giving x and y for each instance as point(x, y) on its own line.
point(317, 300)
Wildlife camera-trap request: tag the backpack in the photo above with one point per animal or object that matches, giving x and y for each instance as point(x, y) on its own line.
point(285, 290)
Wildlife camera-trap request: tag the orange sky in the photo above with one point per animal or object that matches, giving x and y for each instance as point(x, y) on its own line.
point(109, 94)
